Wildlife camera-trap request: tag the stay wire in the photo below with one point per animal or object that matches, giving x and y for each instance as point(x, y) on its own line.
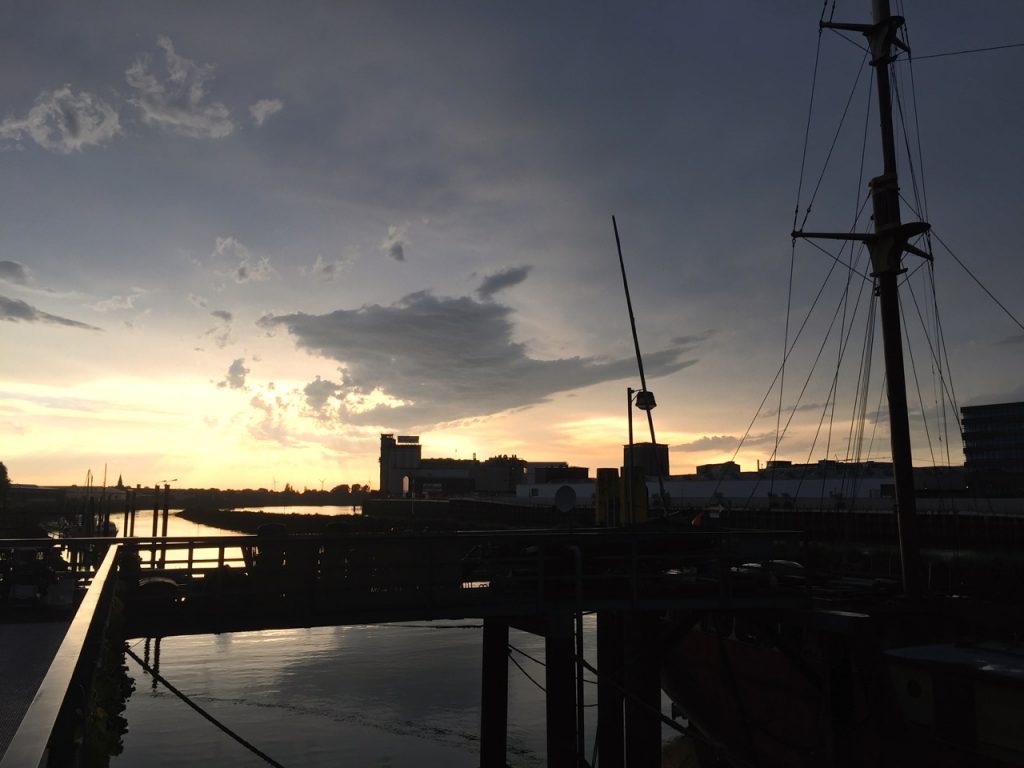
point(835, 140)
point(778, 373)
point(917, 383)
point(970, 50)
point(917, 127)
point(981, 285)
point(162, 680)
point(932, 345)
point(807, 127)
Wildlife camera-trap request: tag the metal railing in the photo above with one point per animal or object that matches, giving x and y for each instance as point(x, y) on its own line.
point(45, 736)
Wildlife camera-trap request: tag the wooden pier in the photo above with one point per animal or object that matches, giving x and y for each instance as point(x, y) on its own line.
point(640, 585)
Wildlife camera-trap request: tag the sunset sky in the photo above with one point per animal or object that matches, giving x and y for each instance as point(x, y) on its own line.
point(239, 240)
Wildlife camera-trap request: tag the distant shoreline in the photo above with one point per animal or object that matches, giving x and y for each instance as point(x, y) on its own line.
point(249, 522)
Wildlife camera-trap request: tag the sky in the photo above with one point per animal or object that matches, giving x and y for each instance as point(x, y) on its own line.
point(240, 240)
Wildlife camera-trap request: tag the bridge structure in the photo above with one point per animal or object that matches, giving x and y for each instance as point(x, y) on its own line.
point(642, 585)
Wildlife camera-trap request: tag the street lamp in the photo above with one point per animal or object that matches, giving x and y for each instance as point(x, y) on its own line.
point(643, 399)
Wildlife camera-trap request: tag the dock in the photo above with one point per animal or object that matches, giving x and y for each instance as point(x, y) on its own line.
point(538, 581)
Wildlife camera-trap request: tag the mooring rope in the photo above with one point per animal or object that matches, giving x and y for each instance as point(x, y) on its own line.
point(159, 678)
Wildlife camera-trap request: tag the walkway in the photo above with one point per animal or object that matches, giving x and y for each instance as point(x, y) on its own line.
point(26, 652)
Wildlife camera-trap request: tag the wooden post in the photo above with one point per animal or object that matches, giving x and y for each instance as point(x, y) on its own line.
point(494, 695)
point(643, 692)
point(560, 682)
point(167, 512)
point(156, 518)
point(610, 660)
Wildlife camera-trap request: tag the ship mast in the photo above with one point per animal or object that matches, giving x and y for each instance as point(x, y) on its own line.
point(886, 245)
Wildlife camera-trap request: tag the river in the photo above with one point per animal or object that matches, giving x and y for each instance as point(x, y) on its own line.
point(377, 695)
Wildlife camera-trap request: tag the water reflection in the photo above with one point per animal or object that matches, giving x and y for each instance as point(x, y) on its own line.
point(377, 695)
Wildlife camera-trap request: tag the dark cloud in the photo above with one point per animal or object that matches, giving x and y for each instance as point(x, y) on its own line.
point(709, 443)
point(499, 281)
point(394, 244)
point(13, 272)
point(446, 358)
point(221, 332)
point(235, 378)
point(1018, 339)
point(178, 102)
point(692, 340)
point(16, 310)
point(247, 266)
point(318, 393)
point(63, 121)
point(325, 270)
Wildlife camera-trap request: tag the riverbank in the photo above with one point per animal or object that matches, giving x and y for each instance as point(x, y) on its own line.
point(249, 522)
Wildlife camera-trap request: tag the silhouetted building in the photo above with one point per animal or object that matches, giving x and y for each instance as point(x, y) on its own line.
point(652, 458)
point(994, 448)
point(726, 470)
point(399, 460)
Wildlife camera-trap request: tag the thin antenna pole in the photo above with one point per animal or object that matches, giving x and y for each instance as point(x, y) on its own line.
point(640, 366)
point(629, 306)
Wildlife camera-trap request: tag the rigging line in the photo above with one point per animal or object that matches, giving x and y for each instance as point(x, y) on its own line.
point(159, 678)
point(778, 372)
point(850, 40)
point(539, 662)
point(878, 414)
point(835, 140)
point(803, 391)
point(785, 345)
point(945, 351)
point(970, 50)
point(980, 284)
point(807, 128)
point(810, 373)
point(841, 263)
point(906, 138)
point(931, 345)
point(917, 383)
point(917, 126)
point(528, 676)
point(844, 338)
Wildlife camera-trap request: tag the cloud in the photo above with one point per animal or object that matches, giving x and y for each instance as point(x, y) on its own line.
point(178, 102)
point(271, 425)
point(723, 442)
point(235, 378)
point(318, 393)
point(221, 332)
point(248, 268)
point(197, 300)
point(324, 270)
point(63, 121)
point(394, 244)
point(265, 108)
point(1018, 339)
point(13, 272)
point(709, 443)
point(499, 281)
point(120, 302)
point(429, 359)
point(15, 310)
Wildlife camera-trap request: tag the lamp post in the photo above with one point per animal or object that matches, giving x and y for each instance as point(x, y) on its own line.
point(644, 401)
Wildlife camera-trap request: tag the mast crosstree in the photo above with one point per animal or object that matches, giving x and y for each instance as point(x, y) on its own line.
point(886, 245)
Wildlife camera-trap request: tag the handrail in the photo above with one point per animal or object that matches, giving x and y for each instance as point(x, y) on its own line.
point(30, 745)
